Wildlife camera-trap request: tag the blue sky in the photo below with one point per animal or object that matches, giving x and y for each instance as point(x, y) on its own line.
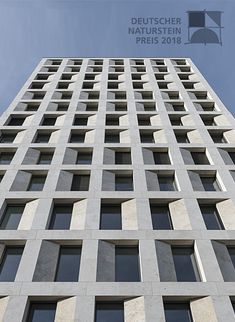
point(30, 30)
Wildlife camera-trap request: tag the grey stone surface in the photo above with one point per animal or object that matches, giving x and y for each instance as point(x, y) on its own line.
point(210, 299)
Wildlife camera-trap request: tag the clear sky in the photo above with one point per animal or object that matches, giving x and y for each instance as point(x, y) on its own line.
point(30, 30)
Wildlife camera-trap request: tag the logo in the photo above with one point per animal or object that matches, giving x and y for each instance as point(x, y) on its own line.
point(204, 27)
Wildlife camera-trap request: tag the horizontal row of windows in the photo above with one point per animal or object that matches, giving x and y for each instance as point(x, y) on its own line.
point(117, 106)
point(115, 61)
point(111, 216)
point(119, 136)
point(117, 81)
point(113, 155)
point(113, 69)
point(117, 180)
point(114, 120)
point(112, 310)
point(122, 262)
point(117, 95)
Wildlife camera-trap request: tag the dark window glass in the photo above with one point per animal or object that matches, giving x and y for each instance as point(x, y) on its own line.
point(6, 157)
point(80, 183)
point(112, 138)
point(11, 217)
point(231, 251)
point(209, 122)
point(176, 121)
point(68, 264)
point(127, 264)
point(7, 138)
point(144, 121)
point(177, 312)
point(233, 304)
point(182, 138)
point(232, 156)
point(49, 121)
point(109, 312)
point(84, 158)
point(210, 184)
point(161, 217)
point(41, 312)
point(123, 184)
point(161, 158)
point(199, 158)
point(45, 158)
point(146, 138)
point(110, 217)
point(211, 217)
point(36, 183)
point(166, 183)
point(16, 121)
point(122, 158)
point(80, 121)
point(61, 217)
point(112, 121)
point(185, 264)
point(10, 263)
point(77, 138)
point(218, 138)
point(42, 138)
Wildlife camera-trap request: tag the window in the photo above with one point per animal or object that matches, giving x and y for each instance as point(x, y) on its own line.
point(61, 217)
point(209, 121)
point(110, 217)
point(39, 312)
point(84, 158)
point(122, 157)
point(36, 183)
point(185, 264)
point(160, 217)
point(166, 183)
point(49, 121)
point(161, 158)
point(146, 138)
point(176, 121)
point(80, 182)
point(6, 157)
point(11, 217)
point(211, 217)
point(10, 263)
point(16, 121)
point(68, 264)
point(231, 250)
point(232, 156)
point(42, 138)
point(210, 183)
point(218, 137)
point(123, 183)
point(177, 312)
point(127, 264)
point(77, 137)
point(111, 120)
point(7, 137)
point(144, 121)
point(233, 305)
point(109, 311)
point(199, 158)
point(111, 137)
point(182, 138)
point(45, 158)
point(80, 120)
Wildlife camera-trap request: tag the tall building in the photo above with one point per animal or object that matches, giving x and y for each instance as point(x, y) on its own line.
point(117, 195)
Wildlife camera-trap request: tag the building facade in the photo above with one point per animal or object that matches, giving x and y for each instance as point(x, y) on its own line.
point(117, 195)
